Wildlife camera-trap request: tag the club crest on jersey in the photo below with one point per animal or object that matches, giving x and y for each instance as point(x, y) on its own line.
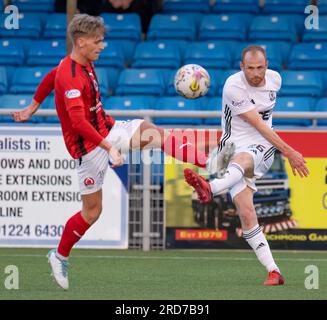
point(73, 93)
point(272, 95)
point(89, 182)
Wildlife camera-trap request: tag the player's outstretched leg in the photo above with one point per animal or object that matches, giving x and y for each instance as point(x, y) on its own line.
point(200, 185)
point(59, 269)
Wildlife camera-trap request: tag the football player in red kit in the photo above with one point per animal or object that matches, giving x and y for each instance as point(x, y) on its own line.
point(92, 137)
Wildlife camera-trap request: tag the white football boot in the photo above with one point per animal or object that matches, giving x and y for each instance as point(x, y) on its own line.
point(59, 269)
point(218, 161)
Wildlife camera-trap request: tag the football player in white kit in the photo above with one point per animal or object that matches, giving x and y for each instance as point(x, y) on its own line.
point(248, 100)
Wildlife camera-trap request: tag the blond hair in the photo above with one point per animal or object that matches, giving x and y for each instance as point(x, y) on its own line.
point(85, 25)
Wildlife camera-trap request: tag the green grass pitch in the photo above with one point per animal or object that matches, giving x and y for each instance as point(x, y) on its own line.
point(158, 275)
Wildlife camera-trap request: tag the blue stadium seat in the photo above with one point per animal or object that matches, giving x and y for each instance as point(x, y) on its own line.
point(34, 5)
point(156, 55)
point(112, 55)
point(13, 101)
point(174, 26)
point(25, 42)
point(122, 26)
point(113, 75)
point(224, 26)
point(55, 26)
point(301, 83)
point(285, 6)
point(103, 81)
point(214, 104)
point(26, 79)
point(140, 82)
point(308, 56)
point(222, 76)
point(273, 27)
point(212, 55)
point(126, 103)
point(213, 90)
point(284, 47)
point(46, 52)
point(296, 104)
point(11, 52)
point(321, 106)
point(128, 48)
point(178, 104)
point(322, 5)
point(195, 18)
point(251, 6)
point(186, 5)
point(49, 103)
point(3, 80)
point(129, 102)
point(29, 26)
point(319, 34)
point(274, 55)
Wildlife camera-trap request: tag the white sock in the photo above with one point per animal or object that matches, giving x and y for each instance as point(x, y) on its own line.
point(234, 174)
point(258, 242)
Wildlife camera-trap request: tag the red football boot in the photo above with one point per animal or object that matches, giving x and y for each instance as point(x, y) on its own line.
point(274, 279)
point(201, 186)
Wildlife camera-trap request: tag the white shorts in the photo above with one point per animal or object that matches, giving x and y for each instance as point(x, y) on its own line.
point(92, 168)
point(263, 158)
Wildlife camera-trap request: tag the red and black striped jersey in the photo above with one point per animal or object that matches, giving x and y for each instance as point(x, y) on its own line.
point(82, 117)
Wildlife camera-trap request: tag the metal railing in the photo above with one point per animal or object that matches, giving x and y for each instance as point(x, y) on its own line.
point(150, 114)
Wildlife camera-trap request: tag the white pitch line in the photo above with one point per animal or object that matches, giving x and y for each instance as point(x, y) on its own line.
point(163, 258)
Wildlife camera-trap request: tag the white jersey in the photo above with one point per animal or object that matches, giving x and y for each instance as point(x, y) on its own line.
point(239, 97)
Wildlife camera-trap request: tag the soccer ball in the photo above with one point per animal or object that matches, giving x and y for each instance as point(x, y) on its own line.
point(192, 81)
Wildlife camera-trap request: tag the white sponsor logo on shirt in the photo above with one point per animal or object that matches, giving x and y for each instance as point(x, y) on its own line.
point(74, 93)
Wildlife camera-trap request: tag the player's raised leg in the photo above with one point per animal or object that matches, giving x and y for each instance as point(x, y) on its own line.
point(74, 230)
point(150, 136)
point(253, 235)
point(240, 165)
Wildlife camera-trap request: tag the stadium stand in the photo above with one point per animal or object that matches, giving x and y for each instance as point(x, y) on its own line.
point(251, 6)
point(289, 104)
point(224, 26)
point(285, 6)
point(34, 5)
point(55, 26)
point(177, 104)
point(301, 83)
point(156, 55)
point(30, 26)
point(11, 52)
point(123, 26)
point(211, 55)
point(26, 79)
point(185, 31)
point(46, 52)
point(272, 28)
point(312, 56)
point(141, 82)
point(171, 27)
point(186, 5)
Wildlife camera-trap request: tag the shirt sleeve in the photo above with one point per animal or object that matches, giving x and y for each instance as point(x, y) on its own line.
point(238, 100)
point(46, 86)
